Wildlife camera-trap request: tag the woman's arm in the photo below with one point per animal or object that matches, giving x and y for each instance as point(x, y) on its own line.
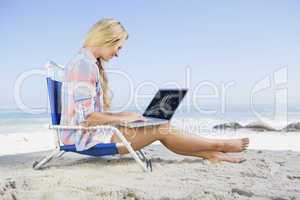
point(101, 118)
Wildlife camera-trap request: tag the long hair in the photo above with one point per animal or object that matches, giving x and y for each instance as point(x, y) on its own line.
point(104, 85)
point(106, 32)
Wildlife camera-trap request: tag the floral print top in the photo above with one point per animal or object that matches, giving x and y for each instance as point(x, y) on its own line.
point(81, 96)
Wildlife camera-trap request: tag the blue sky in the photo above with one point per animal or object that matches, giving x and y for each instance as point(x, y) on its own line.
point(220, 41)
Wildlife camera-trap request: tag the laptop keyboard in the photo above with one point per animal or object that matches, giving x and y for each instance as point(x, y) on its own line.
point(149, 120)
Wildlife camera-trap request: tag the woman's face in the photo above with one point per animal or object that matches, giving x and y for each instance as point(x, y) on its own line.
point(107, 53)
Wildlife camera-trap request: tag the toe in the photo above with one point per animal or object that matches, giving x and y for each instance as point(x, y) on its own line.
point(245, 140)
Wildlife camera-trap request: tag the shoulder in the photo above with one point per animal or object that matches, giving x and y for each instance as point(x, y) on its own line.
point(81, 63)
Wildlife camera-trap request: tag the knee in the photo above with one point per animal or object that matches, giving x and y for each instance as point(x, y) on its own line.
point(163, 130)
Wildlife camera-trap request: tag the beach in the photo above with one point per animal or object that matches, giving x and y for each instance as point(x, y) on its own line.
point(32, 134)
point(271, 170)
point(216, 70)
point(265, 175)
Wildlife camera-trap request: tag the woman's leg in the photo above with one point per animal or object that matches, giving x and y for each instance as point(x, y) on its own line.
point(212, 156)
point(179, 142)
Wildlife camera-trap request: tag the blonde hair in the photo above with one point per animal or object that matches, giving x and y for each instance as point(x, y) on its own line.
point(106, 32)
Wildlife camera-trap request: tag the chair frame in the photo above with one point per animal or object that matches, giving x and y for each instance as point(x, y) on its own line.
point(57, 152)
point(140, 156)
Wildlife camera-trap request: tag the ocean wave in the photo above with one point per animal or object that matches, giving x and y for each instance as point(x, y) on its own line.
point(259, 126)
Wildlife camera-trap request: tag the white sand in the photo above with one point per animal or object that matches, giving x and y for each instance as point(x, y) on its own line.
point(265, 175)
point(43, 140)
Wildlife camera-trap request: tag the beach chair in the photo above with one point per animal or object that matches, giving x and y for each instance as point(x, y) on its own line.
point(103, 149)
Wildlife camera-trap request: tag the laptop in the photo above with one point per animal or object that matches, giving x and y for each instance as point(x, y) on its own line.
point(161, 109)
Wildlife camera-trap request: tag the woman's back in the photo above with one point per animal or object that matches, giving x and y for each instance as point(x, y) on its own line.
point(82, 95)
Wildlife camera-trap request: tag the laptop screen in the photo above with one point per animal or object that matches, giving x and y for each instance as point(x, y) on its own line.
point(165, 103)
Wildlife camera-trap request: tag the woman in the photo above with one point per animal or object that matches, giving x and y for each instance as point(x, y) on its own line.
point(86, 102)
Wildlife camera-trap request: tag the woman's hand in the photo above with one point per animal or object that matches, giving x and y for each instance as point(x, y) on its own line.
point(99, 118)
point(87, 123)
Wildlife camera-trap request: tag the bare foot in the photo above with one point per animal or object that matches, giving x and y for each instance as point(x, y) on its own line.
point(235, 145)
point(217, 157)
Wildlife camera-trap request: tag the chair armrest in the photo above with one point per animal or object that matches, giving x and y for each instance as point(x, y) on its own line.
point(103, 127)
